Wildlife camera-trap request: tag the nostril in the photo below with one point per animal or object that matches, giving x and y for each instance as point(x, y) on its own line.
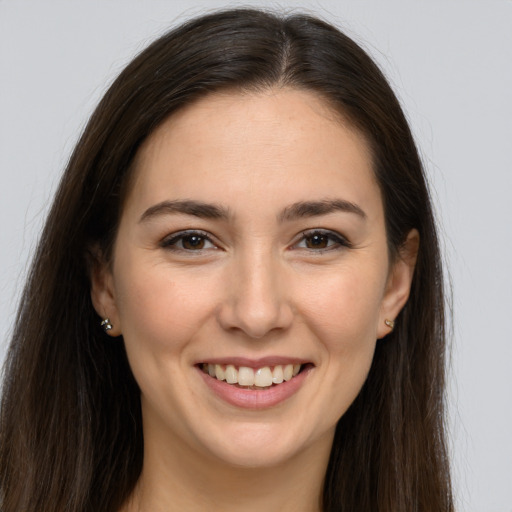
point(256, 322)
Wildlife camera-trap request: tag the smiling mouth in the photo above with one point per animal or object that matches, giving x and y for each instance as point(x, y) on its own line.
point(253, 378)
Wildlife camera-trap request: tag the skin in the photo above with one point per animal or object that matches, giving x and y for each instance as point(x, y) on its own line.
point(259, 288)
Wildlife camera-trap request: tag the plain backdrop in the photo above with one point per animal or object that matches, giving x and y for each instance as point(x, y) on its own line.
point(450, 63)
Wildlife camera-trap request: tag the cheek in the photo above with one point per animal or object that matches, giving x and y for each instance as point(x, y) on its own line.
point(161, 315)
point(159, 310)
point(343, 314)
point(343, 307)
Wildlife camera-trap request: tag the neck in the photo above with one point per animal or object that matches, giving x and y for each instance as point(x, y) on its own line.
point(174, 480)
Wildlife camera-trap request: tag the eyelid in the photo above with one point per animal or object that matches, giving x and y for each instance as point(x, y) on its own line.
point(341, 241)
point(169, 241)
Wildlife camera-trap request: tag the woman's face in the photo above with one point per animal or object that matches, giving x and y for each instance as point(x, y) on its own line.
point(252, 239)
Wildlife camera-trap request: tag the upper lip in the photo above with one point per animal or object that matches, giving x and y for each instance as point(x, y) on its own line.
point(255, 363)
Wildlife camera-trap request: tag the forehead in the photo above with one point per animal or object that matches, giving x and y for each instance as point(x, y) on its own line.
point(236, 147)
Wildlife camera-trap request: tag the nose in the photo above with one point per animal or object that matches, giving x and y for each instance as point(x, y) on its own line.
point(256, 300)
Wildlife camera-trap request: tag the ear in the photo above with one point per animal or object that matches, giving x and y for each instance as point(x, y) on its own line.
point(103, 291)
point(399, 282)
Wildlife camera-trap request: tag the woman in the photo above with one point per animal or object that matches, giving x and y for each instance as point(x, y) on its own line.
point(237, 299)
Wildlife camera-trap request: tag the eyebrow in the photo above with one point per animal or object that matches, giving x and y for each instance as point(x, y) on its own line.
point(294, 211)
point(315, 208)
point(187, 207)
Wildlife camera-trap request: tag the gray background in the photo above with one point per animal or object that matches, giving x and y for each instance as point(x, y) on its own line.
point(451, 65)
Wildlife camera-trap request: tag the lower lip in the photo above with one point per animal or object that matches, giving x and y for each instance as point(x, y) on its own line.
point(252, 398)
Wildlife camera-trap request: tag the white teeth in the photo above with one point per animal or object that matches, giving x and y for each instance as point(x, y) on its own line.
point(288, 372)
point(219, 372)
point(277, 374)
point(231, 374)
point(263, 377)
point(245, 376)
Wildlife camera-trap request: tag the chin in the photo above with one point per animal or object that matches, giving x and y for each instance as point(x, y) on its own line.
point(256, 446)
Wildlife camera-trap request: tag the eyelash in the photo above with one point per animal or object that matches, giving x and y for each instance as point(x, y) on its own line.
point(171, 242)
point(337, 241)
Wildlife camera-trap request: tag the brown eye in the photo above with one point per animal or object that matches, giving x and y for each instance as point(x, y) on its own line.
point(322, 240)
point(188, 242)
point(317, 241)
point(193, 242)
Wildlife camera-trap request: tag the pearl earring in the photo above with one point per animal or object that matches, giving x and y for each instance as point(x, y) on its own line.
point(106, 325)
point(390, 323)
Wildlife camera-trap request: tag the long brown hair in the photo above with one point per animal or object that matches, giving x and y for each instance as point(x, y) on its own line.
point(71, 426)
